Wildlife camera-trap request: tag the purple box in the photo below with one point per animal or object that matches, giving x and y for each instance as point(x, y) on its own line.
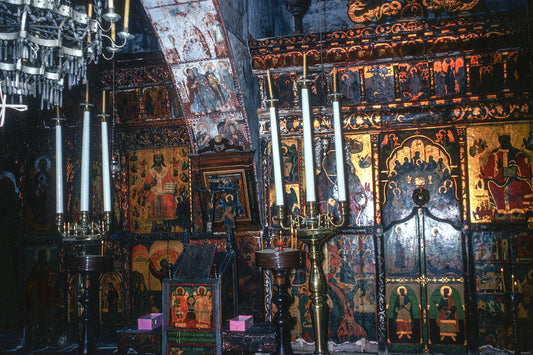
point(150, 321)
point(241, 323)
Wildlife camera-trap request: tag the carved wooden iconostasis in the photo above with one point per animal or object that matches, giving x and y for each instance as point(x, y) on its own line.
point(428, 108)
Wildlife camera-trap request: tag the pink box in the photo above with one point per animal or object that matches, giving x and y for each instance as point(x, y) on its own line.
point(150, 321)
point(241, 323)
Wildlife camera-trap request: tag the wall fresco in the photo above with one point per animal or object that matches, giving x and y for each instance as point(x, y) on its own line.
point(206, 87)
point(499, 171)
point(202, 66)
point(230, 126)
point(201, 35)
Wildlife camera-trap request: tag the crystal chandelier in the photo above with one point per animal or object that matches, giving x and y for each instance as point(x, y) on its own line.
point(46, 45)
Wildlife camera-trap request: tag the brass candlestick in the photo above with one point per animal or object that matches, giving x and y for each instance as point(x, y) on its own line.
point(315, 229)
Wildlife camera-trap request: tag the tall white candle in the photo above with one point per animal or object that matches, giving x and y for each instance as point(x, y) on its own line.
point(126, 15)
point(105, 168)
point(274, 131)
point(308, 147)
point(85, 161)
point(113, 32)
point(339, 156)
point(276, 159)
point(59, 168)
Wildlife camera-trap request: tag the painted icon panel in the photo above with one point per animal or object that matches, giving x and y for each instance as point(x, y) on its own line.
point(414, 81)
point(420, 159)
point(443, 249)
point(404, 313)
point(446, 314)
point(402, 256)
point(449, 75)
point(159, 190)
point(379, 83)
point(499, 172)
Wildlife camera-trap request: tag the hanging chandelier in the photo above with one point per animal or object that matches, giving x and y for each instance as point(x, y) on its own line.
point(46, 45)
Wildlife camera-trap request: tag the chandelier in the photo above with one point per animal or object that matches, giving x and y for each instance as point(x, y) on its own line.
point(46, 45)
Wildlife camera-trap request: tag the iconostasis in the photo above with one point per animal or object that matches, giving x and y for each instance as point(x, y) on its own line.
point(412, 279)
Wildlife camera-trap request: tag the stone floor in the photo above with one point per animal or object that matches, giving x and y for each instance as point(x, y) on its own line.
point(14, 344)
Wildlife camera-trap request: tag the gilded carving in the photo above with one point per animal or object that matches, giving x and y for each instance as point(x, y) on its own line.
point(450, 5)
point(359, 11)
point(362, 11)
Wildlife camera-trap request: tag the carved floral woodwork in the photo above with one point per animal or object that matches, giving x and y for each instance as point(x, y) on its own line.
point(363, 12)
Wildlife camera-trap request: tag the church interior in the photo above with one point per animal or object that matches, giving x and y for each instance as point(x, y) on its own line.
point(327, 175)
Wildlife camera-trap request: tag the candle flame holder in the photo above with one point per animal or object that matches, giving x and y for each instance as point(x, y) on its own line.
point(85, 230)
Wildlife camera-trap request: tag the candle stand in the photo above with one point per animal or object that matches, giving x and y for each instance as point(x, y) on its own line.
point(83, 239)
point(89, 266)
point(315, 229)
point(312, 228)
point(279, 261)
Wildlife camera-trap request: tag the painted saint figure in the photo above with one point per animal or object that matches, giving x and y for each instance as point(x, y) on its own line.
point(447, 317)
point(507, 176)
point(404, 315)
point(203, 307)
point(160, 189)
point(179, 307)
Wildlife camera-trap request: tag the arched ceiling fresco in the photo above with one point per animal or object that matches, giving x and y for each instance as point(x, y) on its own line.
point(195, 45)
